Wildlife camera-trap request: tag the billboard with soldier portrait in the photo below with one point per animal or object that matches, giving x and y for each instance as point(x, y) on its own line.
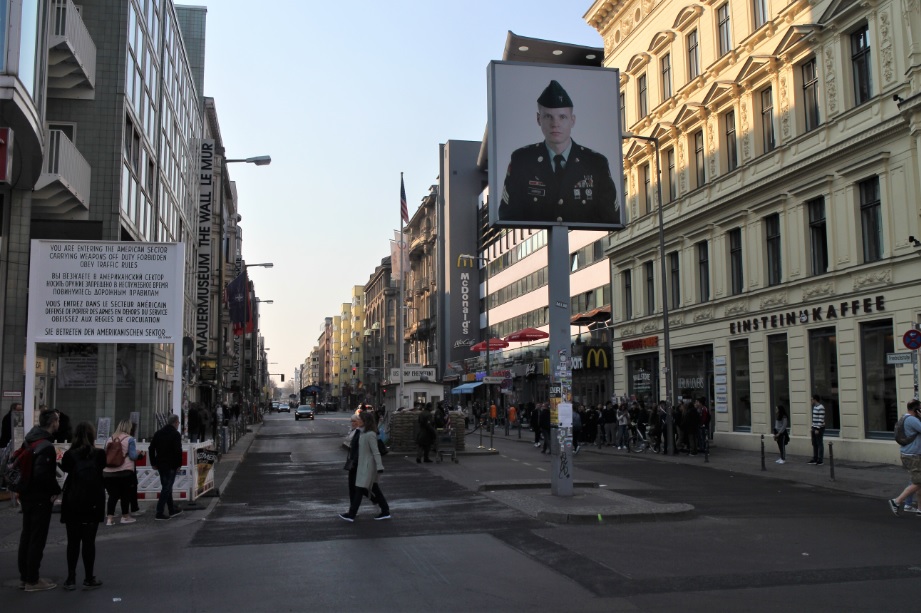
point(555, 146)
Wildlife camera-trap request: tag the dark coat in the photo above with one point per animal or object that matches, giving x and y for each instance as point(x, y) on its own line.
point(43, 484)
point(583, 192)
point(544, 419)
point(166, 448)
point(426, 435)
point(84, 499)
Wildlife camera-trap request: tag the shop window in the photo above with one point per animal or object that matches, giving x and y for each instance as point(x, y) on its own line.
point(741, 386)
point(779, 372)
point(643, 378)
point(880, 401)
point(693, 373)
point(823, 366)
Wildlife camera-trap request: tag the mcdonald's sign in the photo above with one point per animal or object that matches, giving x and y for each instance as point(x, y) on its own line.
point(596, 357)
point(463, 262)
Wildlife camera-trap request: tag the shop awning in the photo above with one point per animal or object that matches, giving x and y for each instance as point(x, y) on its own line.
point(466, 388)
point(598, 315)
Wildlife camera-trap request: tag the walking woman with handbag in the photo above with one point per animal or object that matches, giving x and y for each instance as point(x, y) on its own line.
point(83, 503)
point(367, 466)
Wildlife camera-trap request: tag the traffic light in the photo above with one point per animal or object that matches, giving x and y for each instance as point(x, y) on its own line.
point(354, 370)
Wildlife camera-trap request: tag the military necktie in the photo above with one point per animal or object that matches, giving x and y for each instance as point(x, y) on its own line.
point(558, 160)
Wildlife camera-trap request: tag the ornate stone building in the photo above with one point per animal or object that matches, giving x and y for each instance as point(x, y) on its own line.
point(788, 137)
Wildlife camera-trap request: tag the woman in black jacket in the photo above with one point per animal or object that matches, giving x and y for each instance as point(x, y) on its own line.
point(83, 503)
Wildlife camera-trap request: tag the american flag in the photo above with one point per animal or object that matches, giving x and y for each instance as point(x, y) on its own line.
point(404, 209)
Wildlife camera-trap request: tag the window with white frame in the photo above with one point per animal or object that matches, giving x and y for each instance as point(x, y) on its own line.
point(725, 31)
point(670, 171)
point(650, 271)
point(732, 152)
point(628, 294)
point(871, 219)
point(767, 120)
point(666, 65)
point(703, 271)
point(860, 64)
point(810, 94)
point(772, 242)
point(818, 236)
point(642, 100)
point(699, 161)
point(759, 13)
point(736, 281)
point(646, 176)
point(693, 56)
point(674, 280)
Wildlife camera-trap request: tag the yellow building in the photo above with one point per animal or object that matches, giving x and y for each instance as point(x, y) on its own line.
point(788, 137)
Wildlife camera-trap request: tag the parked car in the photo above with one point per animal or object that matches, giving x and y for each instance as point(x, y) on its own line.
point(305, 411)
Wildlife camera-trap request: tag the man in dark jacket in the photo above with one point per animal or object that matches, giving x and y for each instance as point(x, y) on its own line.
point(37, 501)
point(166, 458)
point(544, 421)
point(425, 437)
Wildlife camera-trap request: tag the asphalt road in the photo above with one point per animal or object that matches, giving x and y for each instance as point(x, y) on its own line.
point(274, 542)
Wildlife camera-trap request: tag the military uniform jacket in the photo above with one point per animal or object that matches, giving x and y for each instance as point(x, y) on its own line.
point(583, 192)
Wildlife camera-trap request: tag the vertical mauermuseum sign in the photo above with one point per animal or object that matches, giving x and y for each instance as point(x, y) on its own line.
point(105, 292)
point(204, 263)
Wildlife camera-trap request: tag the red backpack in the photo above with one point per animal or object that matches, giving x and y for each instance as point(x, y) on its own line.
point(18, 473)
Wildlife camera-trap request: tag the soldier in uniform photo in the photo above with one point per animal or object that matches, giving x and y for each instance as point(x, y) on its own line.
point(558, 178)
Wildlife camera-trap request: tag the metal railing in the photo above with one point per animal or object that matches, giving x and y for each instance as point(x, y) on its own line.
point(68, 27)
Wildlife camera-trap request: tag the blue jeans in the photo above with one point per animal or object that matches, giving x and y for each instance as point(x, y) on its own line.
point(167, 478)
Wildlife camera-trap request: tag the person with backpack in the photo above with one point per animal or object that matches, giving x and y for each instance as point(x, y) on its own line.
point(37, 491)
point(119, 473)
point(906, 435)
point(83, 503)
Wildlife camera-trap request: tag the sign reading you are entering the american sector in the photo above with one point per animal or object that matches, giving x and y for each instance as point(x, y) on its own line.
point(104, 292)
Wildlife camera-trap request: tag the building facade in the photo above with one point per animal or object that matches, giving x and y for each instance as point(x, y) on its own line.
point(787, 137)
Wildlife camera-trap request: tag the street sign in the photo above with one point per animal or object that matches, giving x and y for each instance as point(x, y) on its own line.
point(489, 380)
point(903, 357)
point(412, 374)
point(912, 339)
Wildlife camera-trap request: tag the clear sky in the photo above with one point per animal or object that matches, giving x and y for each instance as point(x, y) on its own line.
point(344, 96)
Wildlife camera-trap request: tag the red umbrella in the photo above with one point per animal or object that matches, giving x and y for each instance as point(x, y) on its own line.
point(528, 334)
point(494, 343)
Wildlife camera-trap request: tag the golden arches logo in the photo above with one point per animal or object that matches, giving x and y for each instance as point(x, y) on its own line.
point(463, 262)
point(597, 357)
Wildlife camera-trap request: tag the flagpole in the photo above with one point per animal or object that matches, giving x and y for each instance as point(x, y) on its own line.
point(403, 205)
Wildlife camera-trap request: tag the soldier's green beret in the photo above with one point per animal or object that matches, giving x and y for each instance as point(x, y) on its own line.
point(554, 97)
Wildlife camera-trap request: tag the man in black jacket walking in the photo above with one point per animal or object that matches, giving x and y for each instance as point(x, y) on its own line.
point(166, 458)
point(37, 501)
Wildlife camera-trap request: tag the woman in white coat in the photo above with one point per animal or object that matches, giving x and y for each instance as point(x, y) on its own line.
point(369, 467)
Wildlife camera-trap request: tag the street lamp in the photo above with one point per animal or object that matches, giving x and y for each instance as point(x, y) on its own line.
point(259, 160)
point(478, 258)
point(665, 326)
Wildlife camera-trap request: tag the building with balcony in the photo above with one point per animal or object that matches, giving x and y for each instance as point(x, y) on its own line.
point(788, 137)
point(421, 295)
point(382, 296)
point(107, 153)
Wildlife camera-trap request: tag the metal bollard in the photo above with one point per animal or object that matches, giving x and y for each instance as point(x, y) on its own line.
point(480, 428)
point(519, 427)
point(831, 459)
point(491, 432)
point(763, 467)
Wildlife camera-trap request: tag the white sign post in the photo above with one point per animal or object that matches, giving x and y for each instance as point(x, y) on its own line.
point(104, 292)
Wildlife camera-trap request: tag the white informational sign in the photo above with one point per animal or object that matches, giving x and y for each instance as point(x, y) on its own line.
point(903, 357)
point(105, 292)
point(564, 414)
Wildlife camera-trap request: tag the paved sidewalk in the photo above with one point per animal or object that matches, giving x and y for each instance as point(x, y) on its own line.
point(11, 519)
point(517, 487)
